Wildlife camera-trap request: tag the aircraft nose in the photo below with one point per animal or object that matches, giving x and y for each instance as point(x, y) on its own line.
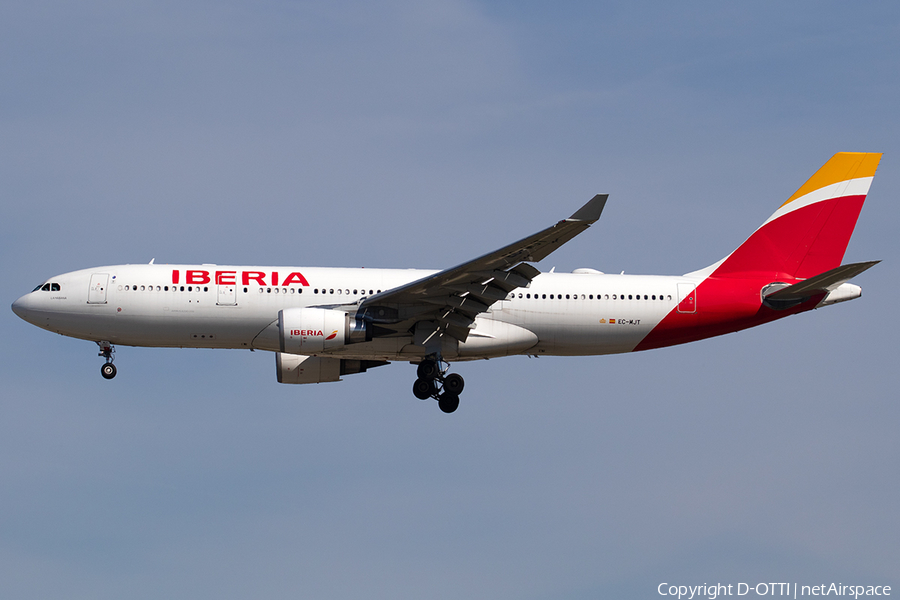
point(20, 307)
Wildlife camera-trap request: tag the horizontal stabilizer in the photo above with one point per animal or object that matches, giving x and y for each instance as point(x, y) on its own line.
point(822, 283)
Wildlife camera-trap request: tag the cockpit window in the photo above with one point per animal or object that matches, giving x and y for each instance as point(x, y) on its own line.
point(46, 287)
point(54, 287)
point(37, 288)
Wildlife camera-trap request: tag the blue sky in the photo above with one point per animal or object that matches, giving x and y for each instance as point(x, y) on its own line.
point(422, 134)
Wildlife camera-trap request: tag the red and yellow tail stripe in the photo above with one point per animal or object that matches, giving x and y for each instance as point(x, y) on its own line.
point(846, 174)
point(806, 236)
point(809, 233)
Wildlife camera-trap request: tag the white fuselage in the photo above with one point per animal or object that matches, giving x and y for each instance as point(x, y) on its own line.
point(212, 306)
point(323, 323)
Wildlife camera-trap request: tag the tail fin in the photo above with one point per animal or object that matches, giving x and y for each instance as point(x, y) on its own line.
point(809, 233)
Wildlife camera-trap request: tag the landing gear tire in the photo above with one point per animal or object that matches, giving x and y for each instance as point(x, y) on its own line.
point(423, 389)
point(448, 402)
point(108, 371)
point(454, 384)
point(428, 369)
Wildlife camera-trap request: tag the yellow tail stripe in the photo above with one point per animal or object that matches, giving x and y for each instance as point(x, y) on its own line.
point(842, 167)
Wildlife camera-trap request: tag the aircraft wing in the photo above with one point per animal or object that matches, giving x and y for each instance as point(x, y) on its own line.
point(451, 299)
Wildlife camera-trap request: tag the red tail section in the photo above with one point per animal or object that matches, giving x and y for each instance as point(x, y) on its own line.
point(809, 233)
point(806, 236)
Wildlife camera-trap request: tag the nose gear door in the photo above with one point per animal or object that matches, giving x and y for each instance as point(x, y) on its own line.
point(97, 291)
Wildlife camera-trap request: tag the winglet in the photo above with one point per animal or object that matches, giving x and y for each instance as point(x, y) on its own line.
point(590, 212)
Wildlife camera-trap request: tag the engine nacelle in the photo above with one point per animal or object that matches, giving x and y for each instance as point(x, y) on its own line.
point(316, 330)
point(293, 368)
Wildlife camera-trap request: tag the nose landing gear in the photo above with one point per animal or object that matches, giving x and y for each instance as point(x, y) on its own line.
point(107, 351)
point(432, 383)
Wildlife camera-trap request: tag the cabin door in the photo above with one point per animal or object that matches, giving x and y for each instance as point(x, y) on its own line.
point(97, 291)
point(687, 298)
point(227, 295)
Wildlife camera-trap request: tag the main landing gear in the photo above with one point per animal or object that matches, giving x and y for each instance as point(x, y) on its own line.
point(432, 383)
point(107, 351)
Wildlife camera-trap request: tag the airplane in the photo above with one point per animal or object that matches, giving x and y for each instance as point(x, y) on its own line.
point(323, 323)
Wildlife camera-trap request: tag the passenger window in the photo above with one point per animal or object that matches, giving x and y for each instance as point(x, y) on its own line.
point(245, 290)
point(567, 296)
point(543, 296)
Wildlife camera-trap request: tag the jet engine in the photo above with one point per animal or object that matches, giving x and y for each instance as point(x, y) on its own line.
point(293, 368)
point(315, 330)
